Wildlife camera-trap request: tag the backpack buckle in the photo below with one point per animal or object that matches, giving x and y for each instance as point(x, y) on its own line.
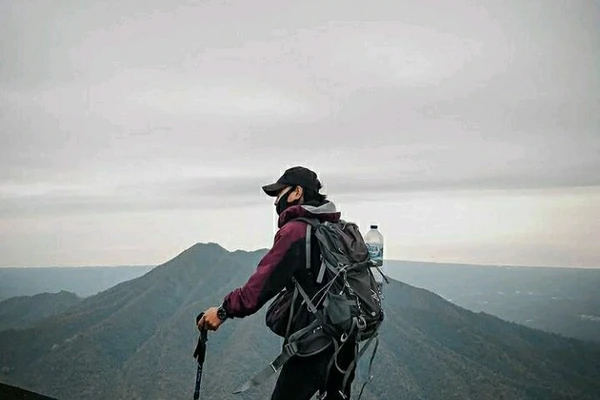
point(361, 324)
point(291, 348)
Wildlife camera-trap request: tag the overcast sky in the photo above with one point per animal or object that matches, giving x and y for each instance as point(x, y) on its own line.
point(133, 129)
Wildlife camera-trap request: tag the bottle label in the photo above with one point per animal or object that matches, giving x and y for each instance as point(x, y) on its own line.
point(376, 253)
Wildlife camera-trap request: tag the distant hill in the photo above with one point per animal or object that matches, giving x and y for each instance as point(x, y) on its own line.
point(560, 300)
point(135, 341)
point(25, 311)
point(83, 281)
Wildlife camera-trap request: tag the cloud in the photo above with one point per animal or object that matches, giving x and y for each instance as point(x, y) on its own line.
point(235, 191)
point(176, 194)
point(223, 101)
point(126, 106)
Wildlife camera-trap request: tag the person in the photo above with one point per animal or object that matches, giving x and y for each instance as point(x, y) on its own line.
point(297, 194)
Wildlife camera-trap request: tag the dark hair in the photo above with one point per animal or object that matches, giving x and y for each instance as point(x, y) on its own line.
point(312, 195)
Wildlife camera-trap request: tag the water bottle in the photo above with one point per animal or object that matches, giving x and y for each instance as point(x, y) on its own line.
point(374, 242)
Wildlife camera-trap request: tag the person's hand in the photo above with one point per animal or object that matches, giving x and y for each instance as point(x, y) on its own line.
point(210, 321)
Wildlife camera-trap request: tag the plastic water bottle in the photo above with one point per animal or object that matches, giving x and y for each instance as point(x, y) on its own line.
point(374, 242)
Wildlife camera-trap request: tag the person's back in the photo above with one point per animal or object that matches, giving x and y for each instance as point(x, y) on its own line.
point(297, 196)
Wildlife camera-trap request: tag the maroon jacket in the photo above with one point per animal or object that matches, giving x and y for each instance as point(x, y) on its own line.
point(287, 258)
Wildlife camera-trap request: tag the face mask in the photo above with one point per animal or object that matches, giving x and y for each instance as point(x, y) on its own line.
point(283, 203)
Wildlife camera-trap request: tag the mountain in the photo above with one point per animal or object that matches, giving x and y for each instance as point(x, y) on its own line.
point(24, 311)
point(135, 340)
point(83, 281)
point(8, 392)
point(559, 300)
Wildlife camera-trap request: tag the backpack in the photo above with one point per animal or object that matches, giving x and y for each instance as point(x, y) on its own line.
point(346, 305)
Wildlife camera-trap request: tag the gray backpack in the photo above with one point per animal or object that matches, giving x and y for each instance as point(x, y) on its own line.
point(345, 306)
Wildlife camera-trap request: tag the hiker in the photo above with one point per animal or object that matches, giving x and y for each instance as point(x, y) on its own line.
point(296, 194)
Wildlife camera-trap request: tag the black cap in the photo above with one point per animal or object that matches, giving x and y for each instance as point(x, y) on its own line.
point(295, 176)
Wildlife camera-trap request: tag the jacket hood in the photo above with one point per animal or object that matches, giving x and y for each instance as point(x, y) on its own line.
point(324, 212)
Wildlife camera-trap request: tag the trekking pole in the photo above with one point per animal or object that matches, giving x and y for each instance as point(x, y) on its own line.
point(200, 355)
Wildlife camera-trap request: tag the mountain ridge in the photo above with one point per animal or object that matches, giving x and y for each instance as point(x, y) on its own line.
point(136, 338)
point(24, 311)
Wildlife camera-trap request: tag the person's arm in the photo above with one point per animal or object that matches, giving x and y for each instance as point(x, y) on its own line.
point(272, 274)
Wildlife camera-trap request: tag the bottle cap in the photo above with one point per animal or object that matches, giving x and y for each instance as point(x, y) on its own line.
point(373, 226)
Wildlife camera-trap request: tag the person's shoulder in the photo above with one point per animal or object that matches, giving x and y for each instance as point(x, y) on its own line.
point(293, 229)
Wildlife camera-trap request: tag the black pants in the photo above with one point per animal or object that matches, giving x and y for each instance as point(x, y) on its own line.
point(301, 377)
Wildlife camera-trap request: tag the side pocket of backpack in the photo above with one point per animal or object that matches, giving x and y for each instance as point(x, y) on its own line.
point(338, 312)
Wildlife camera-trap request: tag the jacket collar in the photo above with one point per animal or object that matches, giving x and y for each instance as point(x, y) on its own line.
point(323, 212)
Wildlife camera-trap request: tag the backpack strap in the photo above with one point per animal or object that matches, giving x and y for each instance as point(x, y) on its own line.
point(291, 317)
point(353, 364)
point(312, 223)
point(355, 361)
point(311, 307)
point(297, 288)
point(269, 370)
point(289, 350)
point(308, 247)
point(333, 360)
